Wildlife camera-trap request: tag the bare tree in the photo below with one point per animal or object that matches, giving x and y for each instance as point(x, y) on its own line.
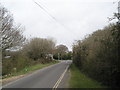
point(10, 34)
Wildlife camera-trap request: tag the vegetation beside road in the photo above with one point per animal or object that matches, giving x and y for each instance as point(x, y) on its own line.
point(30, 69)
point(98, 55)
point(61, 52)
point(80, 80)
point(19, 54)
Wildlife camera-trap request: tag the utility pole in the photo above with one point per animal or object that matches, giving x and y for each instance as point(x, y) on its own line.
point(119, 7)
point(119, 12)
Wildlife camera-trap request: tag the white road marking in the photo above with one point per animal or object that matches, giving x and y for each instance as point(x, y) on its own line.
point(60, 79)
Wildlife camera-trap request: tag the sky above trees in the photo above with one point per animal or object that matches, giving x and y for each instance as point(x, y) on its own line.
point(78, 18)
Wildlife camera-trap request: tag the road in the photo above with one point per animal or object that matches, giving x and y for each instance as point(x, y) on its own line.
point(54, 76)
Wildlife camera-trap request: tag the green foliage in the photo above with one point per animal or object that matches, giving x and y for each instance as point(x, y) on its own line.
point(65, 56)
point(38, 48)
point(68, 56)
point(97, 55)
point(15, 63)
point(80, 80)
point(32, 53)
point(28, 69)
point(61, 52)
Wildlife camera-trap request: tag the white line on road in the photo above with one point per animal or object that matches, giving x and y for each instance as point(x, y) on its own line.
point(59, 80)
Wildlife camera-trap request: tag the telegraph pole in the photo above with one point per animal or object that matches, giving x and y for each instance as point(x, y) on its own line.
point(119, 7)
point(119, 12)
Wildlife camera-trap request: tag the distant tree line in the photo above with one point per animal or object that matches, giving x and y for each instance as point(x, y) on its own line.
point(61, 52)
point(98, 55)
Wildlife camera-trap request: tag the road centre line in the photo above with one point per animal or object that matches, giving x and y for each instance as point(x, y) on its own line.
point(60, 79)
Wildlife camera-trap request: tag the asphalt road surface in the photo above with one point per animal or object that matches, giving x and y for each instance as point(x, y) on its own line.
point(54, 76)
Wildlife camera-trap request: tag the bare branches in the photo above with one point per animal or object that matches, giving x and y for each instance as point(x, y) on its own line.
point(11, 35)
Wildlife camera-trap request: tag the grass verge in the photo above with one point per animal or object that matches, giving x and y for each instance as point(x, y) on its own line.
point(30, 69)
point(79, 80)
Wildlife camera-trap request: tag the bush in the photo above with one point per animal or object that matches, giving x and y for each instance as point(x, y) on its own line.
point(97, 56)
point(15, 63)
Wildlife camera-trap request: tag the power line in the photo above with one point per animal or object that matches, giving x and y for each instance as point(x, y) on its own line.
point(43, 8)
point(45, 11)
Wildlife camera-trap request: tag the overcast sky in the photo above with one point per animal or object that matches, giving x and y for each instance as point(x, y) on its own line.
point(75, 18)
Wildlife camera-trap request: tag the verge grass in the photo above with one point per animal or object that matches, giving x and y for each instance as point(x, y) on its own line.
point(80, 80)
point(30, 69)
